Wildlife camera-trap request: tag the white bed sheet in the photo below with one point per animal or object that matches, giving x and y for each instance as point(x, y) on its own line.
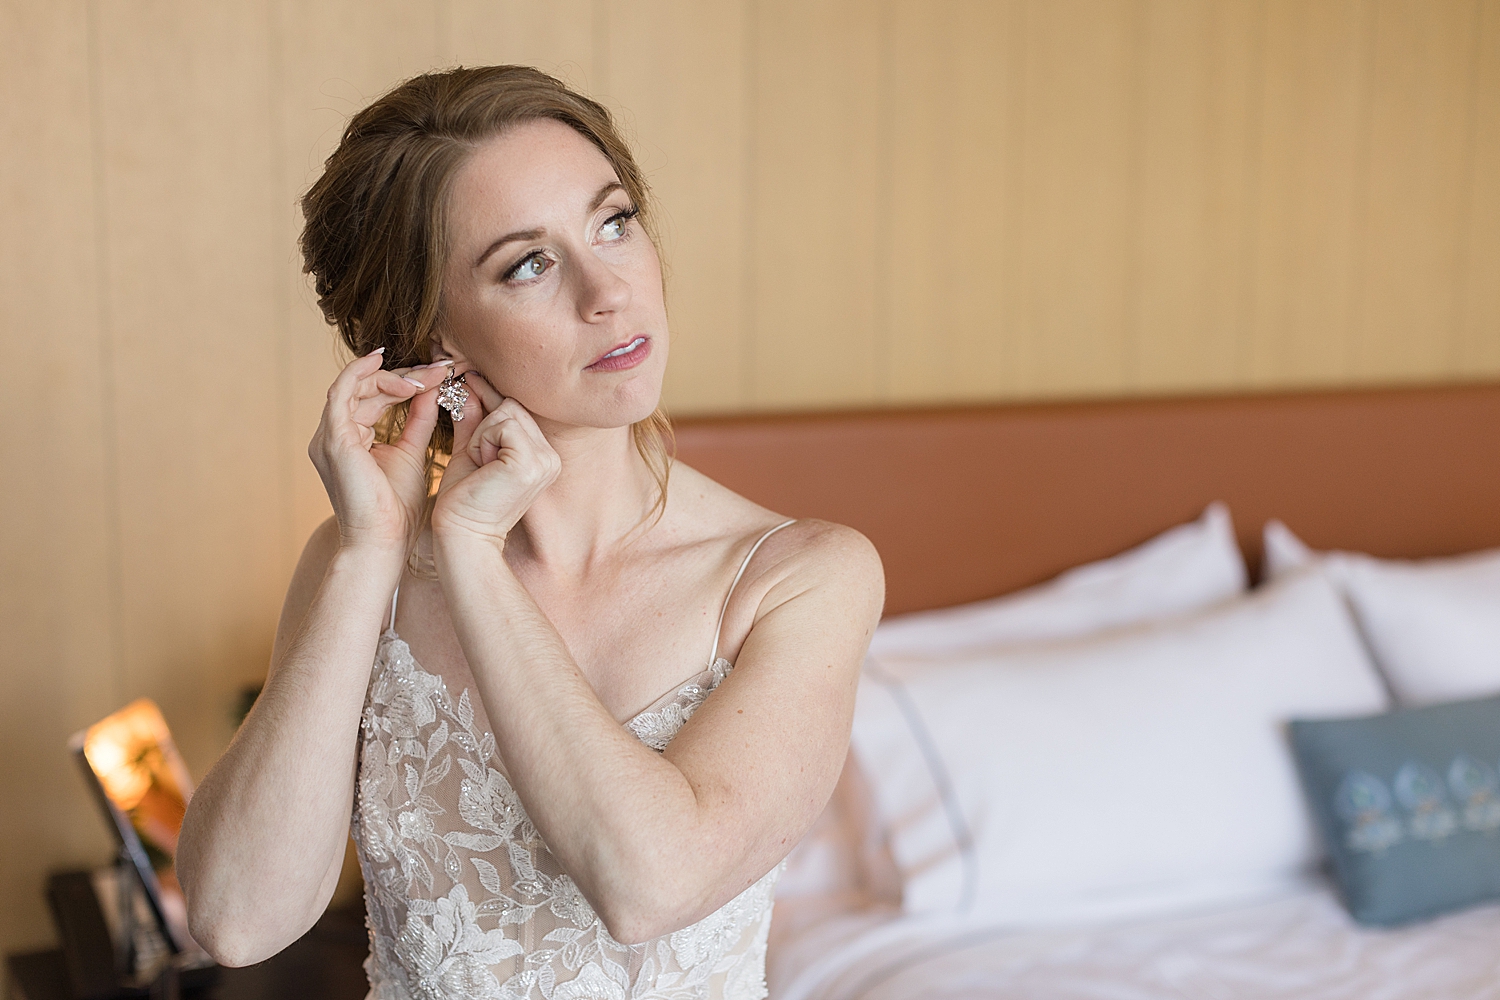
point(1298, 945)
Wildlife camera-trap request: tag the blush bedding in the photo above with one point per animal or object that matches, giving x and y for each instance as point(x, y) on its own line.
point(1297, 944)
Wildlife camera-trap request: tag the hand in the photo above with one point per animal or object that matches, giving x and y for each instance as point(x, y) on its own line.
point(377, 490)
point(501, 463)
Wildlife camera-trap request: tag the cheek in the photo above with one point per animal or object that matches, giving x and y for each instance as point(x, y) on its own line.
point(516, 338)
point(648, 270)
point(647, 293)
point(528, 364)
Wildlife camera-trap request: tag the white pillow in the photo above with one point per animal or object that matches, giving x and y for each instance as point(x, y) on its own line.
point(1433, 625)
point(1183, 569)
point(1127, 774)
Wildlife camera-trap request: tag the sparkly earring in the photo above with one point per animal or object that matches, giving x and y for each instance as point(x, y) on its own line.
point(452, 394)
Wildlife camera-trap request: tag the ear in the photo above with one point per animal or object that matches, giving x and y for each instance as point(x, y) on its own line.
point(442, 348)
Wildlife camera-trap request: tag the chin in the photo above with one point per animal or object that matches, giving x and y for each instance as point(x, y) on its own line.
point(632, 404)
point(638, 413)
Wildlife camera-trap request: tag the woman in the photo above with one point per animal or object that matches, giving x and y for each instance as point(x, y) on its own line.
point(534, 817)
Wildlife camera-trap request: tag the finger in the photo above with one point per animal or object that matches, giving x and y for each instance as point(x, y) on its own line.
point(463, 429)
point(488, 429)
point(387, 380)
point(460, 461)
point(343, 387)
point(522, 415)
point(379, 392)
point(436, 370)
point(527, 422)
point(492, 437)
point(489, 398)
point(421, 421)
point(391, 382)
point(336, 430)
point(357, 398)
point(363, 378)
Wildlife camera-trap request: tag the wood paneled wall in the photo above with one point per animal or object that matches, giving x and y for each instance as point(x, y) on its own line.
point(865, 203)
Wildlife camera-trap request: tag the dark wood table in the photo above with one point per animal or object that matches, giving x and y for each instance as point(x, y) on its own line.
point(326, 963)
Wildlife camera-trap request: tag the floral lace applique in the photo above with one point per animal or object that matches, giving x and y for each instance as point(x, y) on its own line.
point(655, 728)
point(464, 900)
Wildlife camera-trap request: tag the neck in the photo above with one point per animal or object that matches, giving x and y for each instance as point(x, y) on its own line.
point(602, 496)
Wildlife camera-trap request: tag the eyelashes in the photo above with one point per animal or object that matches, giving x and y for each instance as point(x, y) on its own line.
point(535, 257)
point(516, 272)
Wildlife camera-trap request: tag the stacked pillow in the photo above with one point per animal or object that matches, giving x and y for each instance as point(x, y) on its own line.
point(844, 863)
point(1134, 772)
point(1408, 802)
point(1183, 569)
point(1433, 625)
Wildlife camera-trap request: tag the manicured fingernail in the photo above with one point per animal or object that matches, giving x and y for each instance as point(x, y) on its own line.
point(408, 378)
point(378, 350)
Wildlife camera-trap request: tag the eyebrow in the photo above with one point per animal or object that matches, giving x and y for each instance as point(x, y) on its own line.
point(536, 234)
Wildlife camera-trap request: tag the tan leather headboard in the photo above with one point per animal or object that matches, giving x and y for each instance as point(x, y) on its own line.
point(968, 503)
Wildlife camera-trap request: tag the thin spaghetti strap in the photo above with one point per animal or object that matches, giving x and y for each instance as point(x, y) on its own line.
point(391, 627)
point(713, 657)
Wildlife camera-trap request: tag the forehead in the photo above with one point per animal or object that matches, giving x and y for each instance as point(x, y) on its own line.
point(539, 174)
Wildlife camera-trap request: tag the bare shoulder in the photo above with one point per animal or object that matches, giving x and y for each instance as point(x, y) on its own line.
point(815, 554)
point(812, 594)
point(804, 552)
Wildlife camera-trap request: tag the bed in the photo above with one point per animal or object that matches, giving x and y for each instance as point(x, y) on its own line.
point(968, 503)
point(1296, 947)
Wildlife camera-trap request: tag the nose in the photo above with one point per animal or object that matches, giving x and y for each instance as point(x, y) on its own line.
point(601, 290)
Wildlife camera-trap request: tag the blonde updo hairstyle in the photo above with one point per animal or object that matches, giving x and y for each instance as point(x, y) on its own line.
point(375, 238)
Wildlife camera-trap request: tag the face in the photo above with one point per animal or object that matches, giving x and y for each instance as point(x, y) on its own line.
point(553, 290)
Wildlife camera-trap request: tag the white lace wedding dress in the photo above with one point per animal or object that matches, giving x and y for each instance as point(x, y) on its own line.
point(463, 898)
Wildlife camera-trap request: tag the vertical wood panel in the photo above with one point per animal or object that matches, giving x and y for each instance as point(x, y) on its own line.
point(335, 57)
point(1423, 75)
point(330, 59)
point(1078, 219)
point(189, 183)
point(814, 212)
point(1313, 151)
point(948, 235)
point(1477, 351)
point(558, 36)
point(1197, 184)
point(682, 91)
point(56, 607)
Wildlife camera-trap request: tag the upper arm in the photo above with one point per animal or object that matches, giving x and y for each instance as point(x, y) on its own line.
point(764, 753)
point(317, 554)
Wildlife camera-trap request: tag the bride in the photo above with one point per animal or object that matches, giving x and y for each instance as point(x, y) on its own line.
point(579, 702)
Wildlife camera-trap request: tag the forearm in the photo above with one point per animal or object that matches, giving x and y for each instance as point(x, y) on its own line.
point(617, 815)
point(273, 814)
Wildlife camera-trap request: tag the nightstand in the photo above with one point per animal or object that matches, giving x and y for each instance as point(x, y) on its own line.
point(326, 963)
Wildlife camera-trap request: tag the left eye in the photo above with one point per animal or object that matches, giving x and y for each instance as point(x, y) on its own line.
point(531, 267)
point(614, 228)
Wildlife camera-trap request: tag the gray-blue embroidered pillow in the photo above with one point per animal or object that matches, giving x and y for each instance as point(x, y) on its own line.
point(1408, 804)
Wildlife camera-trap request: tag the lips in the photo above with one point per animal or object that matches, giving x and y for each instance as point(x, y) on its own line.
point(626, 355)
